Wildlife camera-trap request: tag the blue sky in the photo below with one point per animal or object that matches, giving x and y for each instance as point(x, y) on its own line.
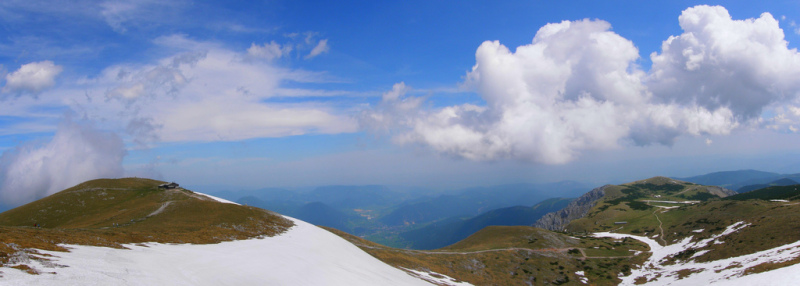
point(438, 94)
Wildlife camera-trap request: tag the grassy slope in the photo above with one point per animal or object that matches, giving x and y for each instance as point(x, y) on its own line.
point(628, 203)
point(772, 223)
point(770, 193)
point(515, 255)
point(112, 212)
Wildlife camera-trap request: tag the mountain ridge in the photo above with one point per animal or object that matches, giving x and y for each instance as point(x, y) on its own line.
point(445, 233)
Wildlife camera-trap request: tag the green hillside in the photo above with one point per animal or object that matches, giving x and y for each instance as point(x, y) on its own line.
point(631, 208)
point(632, 205)
point(113, 212)
point(779, 182)
point(518, 255)
point(138, 206)
point(770, 193)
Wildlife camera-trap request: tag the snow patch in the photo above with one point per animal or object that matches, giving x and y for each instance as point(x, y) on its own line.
point(582, 277)
point(436, 278)
point(221, 200)
point(698, 230)
point(699, 253)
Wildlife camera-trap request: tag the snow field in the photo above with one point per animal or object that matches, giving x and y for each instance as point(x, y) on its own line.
point(304, 255)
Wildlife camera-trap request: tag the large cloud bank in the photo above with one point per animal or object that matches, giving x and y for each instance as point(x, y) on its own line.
point(577, 87)
point(78, 152)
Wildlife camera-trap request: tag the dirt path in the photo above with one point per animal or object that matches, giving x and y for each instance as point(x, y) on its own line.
point(161, 209)
point(661, 237)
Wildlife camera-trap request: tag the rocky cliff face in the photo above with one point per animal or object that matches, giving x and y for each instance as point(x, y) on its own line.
point(576, 209)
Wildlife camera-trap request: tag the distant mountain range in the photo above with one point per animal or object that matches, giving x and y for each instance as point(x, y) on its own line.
point(386, 215)
point(744, 180)
point(447, 232)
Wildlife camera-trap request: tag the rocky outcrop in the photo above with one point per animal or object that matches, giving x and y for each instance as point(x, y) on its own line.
point(576, 209)
point(720, 192)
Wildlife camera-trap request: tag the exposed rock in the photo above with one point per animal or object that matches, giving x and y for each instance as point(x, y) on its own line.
point(576, 209)
point(720, 192)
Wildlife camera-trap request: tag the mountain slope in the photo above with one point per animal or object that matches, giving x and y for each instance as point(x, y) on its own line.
point(305, 255)
point(576, 209)
point(703, 241)
point(445, 233)
point(779, 182)
point(789, 192)
point(602, 208)
point(134, 210)
point(468, 202)
point(518, 255)
point(146, 229)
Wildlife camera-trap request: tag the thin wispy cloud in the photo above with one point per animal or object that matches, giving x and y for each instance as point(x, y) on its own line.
point(320, 48)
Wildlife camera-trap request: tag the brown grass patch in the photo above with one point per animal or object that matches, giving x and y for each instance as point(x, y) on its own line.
point(764, 267)
point(26, 268)
point(683, 273)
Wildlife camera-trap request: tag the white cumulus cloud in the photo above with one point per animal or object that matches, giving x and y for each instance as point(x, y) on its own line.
point(577, 87)
point(718, 62)
point(32, 78)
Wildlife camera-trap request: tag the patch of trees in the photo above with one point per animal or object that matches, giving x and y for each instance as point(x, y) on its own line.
point(653, 187)
point(699, 197)
point(637, 205)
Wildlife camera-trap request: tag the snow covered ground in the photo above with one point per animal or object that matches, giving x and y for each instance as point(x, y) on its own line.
point(304, 255)
point(436, 278)
point(221, 200)
point(720, 272)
